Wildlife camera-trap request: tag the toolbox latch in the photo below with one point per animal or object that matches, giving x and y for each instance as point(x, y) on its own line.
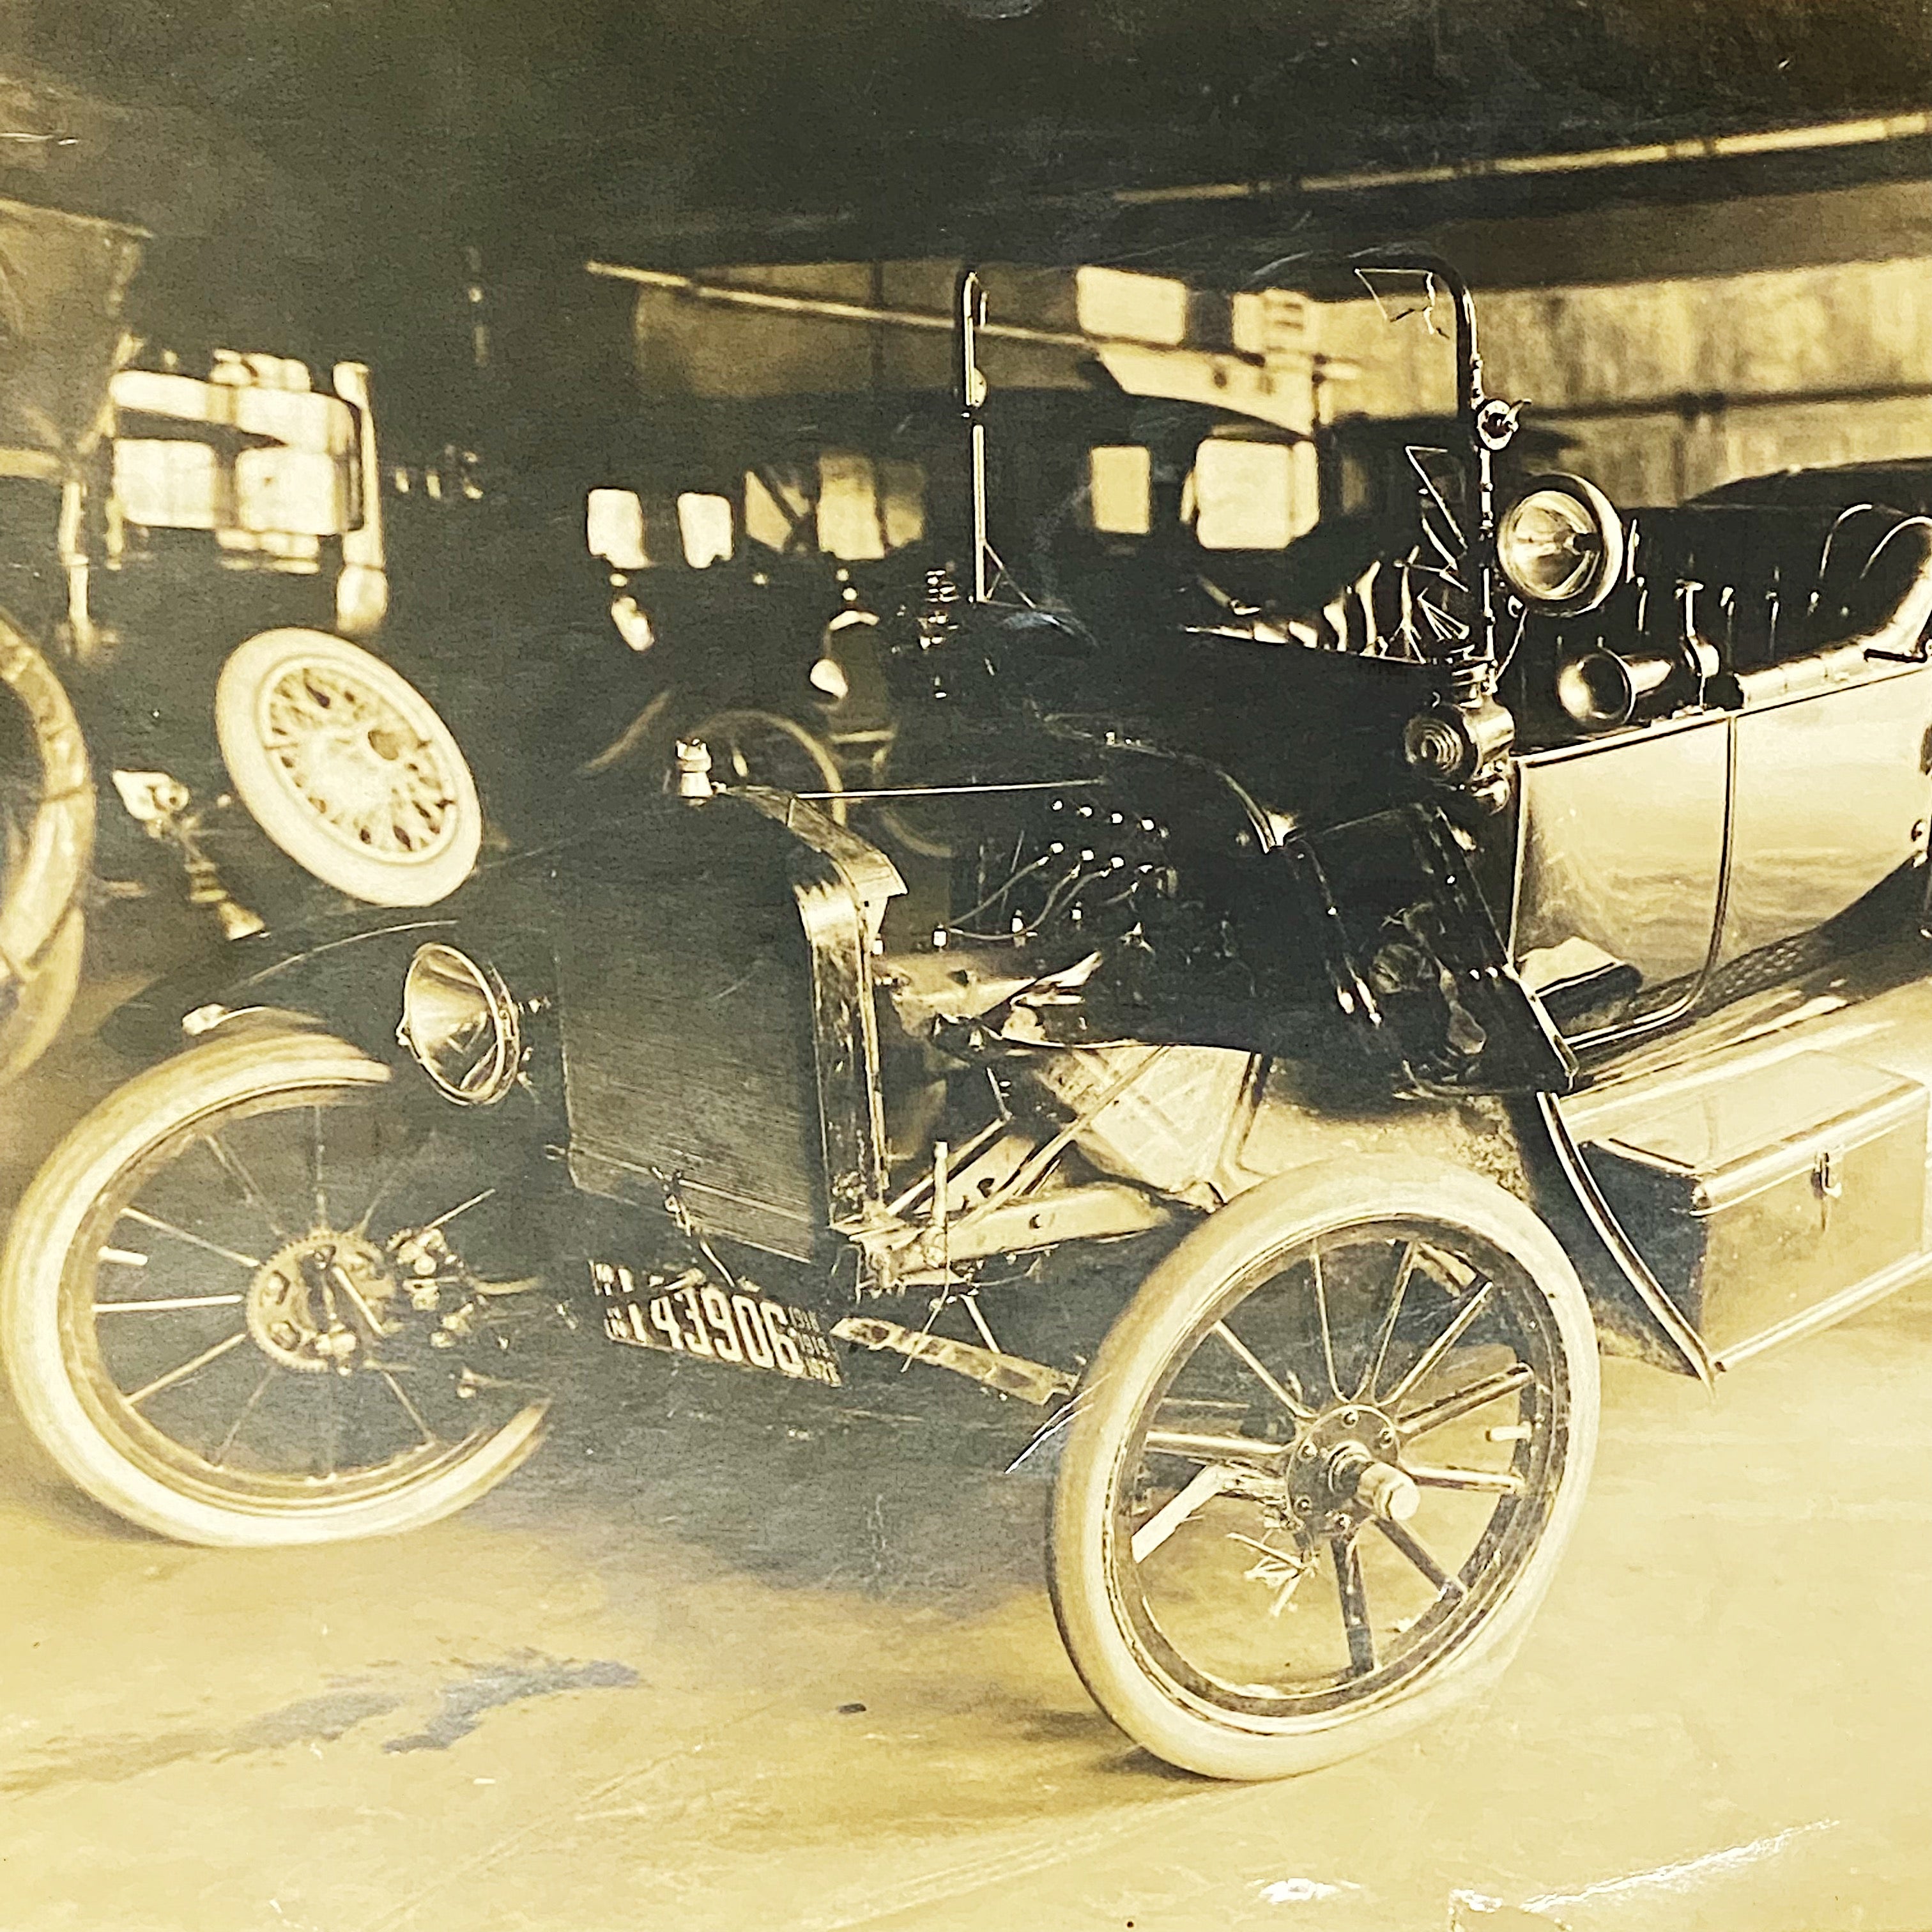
point(1828, 1174)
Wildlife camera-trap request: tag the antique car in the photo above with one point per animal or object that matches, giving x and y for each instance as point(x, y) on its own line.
point(159, 524)
point(1374, 970)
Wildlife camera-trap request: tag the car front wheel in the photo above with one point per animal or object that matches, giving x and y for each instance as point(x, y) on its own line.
point(1321, 1471)
point(255, 1298)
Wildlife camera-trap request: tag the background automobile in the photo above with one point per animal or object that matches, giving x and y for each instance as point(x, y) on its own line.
point(160, 523)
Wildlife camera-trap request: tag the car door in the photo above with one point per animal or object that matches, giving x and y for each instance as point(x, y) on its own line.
point(1619, 880)
point(1832, 799)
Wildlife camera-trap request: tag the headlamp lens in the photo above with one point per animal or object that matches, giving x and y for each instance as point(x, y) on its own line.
point(1560, 546)
point(461, 1025)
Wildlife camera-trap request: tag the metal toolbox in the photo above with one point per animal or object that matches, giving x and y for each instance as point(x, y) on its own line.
point(1758, 1194)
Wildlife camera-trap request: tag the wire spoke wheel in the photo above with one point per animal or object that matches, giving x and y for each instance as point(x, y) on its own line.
point(1323, 1468)
point(256, 1299)
point(348, 768)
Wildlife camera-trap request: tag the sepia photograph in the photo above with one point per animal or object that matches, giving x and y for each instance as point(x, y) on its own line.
point(965, 964)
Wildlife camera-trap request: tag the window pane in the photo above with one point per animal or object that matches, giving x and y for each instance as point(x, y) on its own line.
point(1120, 482)
point(705, 525)
point(613, 528)
point(848, 507)
point(1253, 496)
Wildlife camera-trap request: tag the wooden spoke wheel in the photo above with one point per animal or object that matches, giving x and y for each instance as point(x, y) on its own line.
point(1320, 1472)
point(253, 1298)
point(348, 768)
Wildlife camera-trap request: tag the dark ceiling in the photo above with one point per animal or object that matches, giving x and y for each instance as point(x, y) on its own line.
point(596, 116)
point(316, 172)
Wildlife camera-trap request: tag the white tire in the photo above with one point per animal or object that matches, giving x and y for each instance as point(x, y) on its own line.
point(45, 998)
point(348, 768)
point(1270, 1548)
point(46, 845)
point(185, 1381)
point(765, 747)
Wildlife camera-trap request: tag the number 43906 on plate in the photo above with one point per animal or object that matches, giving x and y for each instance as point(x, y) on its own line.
point(688, 1314)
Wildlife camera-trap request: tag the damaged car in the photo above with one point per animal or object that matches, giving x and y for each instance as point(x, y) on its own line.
point(1402, 923)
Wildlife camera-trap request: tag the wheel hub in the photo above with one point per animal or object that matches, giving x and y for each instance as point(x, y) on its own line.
point(314, 1302)
point(357, 763)
point(1344, 1468)
point(355, 774)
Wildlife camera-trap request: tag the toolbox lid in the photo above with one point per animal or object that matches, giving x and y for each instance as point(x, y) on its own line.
point(1740, 1132)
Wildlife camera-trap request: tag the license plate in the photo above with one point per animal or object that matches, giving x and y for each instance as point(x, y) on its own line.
point(687, 1314)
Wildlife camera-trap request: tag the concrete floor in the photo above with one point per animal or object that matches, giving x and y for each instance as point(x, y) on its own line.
point(705, 1665)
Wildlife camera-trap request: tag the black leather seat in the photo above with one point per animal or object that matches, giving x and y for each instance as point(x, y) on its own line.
point(1874, 585)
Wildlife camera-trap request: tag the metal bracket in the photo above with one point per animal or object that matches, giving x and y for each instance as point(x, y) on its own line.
point(1009, 1375)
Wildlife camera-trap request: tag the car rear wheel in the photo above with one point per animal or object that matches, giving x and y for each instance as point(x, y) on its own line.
point(255, 1299)
point(46, 845)
point(1320, 1472)
point(348, 768)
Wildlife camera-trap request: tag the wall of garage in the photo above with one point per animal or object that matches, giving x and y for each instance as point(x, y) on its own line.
point(1670, 387)
point(1639, 334)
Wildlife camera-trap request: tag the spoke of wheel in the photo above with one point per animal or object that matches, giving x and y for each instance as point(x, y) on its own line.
point(1207, 1483)
point(1405, 1540)
point(315, 1168)
point(394, 1172)
point(169, 1305)
point(1378, 1352)
point(231, 1164)
point(1461, 1402)
point(339, 1278)
point(1322, 1312)
point(220, 1455)
point(187, 1369)
point(332, 1424)
point(408, 1407)
point(1440, 1346)
point(1237, 1450)
point(154, 1221)
point(462, 1207)
point(1354, 1595)
point(1293, 1405)
point(1488, 1482)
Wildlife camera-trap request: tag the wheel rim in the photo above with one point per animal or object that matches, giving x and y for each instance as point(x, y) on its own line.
point(1338, 1475)
point(299, 1301)
point(762, 747)
point(375, 782)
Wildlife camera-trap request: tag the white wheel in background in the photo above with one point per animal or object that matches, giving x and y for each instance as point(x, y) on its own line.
point(764, 748)
point(46, 845)
point(46, 998)
point(347, 767)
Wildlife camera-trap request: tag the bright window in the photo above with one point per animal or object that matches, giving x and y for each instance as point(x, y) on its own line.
point(705, 524)
point(1120, 488)
point(613, 527)
point(1253, 496)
